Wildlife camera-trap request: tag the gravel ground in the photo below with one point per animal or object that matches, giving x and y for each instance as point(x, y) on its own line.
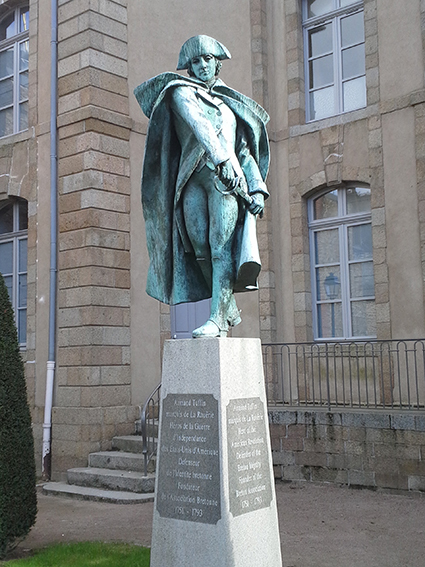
point(320, 526)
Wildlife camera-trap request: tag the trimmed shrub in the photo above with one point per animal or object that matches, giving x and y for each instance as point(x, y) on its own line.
point(18, 499)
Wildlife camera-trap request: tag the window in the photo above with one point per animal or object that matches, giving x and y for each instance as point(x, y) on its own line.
point(334, 48)
point(341, 264)
point(13, 259)
point(14, 71)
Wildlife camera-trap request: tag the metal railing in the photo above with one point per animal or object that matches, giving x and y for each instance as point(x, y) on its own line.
point(375, 374)
point(149, 420)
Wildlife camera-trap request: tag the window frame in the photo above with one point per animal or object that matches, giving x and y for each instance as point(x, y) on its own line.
point(15, 237)
point(14, 42)
point(334, 18)
point(342, 222)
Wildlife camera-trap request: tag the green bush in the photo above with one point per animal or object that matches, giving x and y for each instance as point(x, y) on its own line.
point(18, 499)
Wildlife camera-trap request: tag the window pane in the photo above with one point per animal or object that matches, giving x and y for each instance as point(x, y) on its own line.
point(347, 2)
point(329, 320)
point(320, 41)
point(326, 206)
point(23, 116)
point(363, 318)
point(6, 122)
point(358, 200)
point(23, 55)
point(6, 63)
point(24, 22)
point(354, 93)
point(22, 291)
point(23, 86)
point(6, 219)
point(328, 283)
point(321, 72)
point(23, 215)
point(352, 29)
point(353, 61)
point(360, 242)
point(22, 255)
point(319, 7)
point(7, 27)
point(322, 103)
point(8, 280)
point(6, 92)
point(22, 326)
point(6, 258)
point(361, 280)
point(327, 246)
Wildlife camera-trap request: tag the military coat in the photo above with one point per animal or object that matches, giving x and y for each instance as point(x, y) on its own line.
point(175, 147)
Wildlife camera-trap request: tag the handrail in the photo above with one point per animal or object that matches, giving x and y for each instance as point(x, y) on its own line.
point(149, 417)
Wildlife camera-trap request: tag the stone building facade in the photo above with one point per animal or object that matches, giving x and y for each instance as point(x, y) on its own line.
point(368, 135)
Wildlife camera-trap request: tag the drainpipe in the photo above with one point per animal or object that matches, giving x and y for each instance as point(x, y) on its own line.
point(51, 363)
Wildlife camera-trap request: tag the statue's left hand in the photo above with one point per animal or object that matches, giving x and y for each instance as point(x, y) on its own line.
point(257, 205)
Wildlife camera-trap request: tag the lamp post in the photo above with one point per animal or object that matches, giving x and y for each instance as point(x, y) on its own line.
point(332, 285)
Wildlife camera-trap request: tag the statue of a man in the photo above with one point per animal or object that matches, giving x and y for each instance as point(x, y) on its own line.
point(203, 184)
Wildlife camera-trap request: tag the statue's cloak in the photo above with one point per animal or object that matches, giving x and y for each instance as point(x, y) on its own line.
point(174, 275)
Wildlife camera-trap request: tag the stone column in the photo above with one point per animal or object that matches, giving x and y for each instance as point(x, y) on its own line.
point(93, 394)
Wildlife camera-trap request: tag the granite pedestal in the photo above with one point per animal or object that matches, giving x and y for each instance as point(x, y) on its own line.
point(215, 503)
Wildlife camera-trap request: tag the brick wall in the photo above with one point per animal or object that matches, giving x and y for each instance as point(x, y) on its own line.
point(367, 449)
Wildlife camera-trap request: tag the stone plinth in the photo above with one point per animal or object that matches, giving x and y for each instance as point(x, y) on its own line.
point(215, 503)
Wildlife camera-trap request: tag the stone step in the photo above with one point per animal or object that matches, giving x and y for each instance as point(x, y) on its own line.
point(152, 428)
point(96, 494)
point(120, 460)
point(130, 481)
point(128, 443)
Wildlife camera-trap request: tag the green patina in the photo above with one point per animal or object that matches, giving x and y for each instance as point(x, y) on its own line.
point(202, 136)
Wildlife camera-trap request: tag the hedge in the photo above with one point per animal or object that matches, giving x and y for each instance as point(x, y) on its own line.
point(18, 499)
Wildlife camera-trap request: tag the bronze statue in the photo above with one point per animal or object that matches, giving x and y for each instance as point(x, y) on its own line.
point(203, 184)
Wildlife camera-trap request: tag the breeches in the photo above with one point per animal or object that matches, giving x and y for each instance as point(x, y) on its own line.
point(210, 217)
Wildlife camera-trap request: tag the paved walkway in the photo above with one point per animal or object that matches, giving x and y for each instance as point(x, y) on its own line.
point(320, 526)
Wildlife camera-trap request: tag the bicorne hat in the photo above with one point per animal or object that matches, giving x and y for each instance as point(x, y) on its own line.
point(201, 45)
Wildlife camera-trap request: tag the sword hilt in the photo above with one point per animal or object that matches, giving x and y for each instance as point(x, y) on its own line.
point(237, 188)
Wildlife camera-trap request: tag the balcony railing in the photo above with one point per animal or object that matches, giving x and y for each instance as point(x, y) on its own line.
point(375, 374)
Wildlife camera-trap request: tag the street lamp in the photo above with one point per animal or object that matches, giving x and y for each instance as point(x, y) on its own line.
point(332, 285)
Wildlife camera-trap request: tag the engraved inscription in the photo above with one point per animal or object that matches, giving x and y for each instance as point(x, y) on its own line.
point(249, 468)
point(189, 472)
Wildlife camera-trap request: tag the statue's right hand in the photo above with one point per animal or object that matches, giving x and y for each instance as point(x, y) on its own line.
point(226, 174)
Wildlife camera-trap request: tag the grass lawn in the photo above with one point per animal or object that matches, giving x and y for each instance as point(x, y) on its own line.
point(87, 554)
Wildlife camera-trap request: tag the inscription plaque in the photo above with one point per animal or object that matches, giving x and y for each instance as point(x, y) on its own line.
point(189, 472)
point(249, 468)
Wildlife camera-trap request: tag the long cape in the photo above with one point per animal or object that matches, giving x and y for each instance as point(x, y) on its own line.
point(174, 275)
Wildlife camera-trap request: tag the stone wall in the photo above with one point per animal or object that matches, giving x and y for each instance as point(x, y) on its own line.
point(359, 449)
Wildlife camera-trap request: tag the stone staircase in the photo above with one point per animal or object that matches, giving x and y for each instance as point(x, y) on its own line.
point(111, 476)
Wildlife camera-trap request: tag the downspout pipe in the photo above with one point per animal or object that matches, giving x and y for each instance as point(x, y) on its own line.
point(51, 362)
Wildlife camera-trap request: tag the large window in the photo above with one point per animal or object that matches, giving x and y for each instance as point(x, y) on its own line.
point(334, 48)
point(342, 267)
point(14, 71)
point(13, 259)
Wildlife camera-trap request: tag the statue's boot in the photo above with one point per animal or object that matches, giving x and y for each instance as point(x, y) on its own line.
point(210, 329)
point(234, 314)
point(223, 305)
